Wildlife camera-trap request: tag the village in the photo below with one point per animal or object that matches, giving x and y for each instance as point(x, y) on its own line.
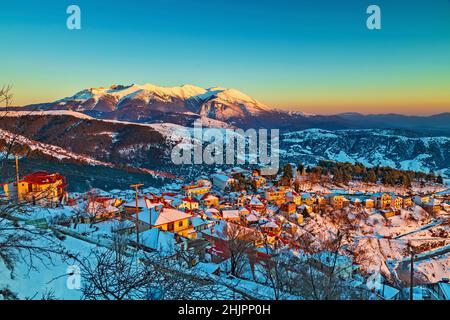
point(237, 222)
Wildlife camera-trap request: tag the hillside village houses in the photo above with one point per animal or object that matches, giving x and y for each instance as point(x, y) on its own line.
point(201, 214)
point(38, 188)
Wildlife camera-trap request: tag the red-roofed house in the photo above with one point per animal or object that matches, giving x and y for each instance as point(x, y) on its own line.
point(189, 204)
point(40, 187)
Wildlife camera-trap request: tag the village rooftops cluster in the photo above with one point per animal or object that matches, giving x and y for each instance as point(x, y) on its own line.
point(204, 215)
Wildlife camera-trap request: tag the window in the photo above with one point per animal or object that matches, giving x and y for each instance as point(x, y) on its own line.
point(180, 224)
point(170, 227)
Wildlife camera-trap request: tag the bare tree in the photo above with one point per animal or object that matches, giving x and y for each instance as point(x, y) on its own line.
point(124, 274)
point(19, 242)
point(240, 241)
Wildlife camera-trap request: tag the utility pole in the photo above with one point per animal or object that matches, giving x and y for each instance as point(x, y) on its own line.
point(17, 171)
point(136, 188)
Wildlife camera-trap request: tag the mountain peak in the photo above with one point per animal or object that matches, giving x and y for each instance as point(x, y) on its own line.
point(150, 102)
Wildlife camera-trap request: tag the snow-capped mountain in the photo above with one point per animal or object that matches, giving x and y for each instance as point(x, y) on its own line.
point(400, 149)
point(224, 107)
point(150, 103)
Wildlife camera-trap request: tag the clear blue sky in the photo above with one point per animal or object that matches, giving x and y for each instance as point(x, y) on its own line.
point(315, 56)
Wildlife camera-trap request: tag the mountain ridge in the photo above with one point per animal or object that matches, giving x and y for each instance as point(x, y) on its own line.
point(184, 104)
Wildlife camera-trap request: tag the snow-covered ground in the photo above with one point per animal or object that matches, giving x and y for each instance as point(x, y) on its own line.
point(47, 275)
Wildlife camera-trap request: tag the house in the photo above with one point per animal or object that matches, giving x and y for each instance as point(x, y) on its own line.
point(445, 206)
point(200, 224)
point(304, 208)
point(335, 200)
point(172, 200)
point(240, 199)
point(275, 195)
point(296, 218)
point(166, 219)
point(271, 228)
point(356, 202)
point(189, 204)
point(209, 200)
point(145, 218)
point(199, 188)
point(397, 202)
point(293, 197)
point(407, 202)
point(288, 208)
point(382, 200)
point(307, 199)
point(389, 212)
point(116, 226)
point(231, 215)
point(252, 218)
point(165, 243)
point(142, 203)
point(38, 188)
point(421, 199)
point(256, 204)
point(369, 203)
point(221, 233)
point(243, 211)
point(433, 206)
point(212, 214)
point(103, 207)
point(259, 181)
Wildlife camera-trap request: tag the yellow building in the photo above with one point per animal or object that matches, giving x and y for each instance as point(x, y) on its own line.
point(209, 200)
point(240, 200)
point(337, 201)
point(200, 187)
point(275, 195)
point(189, 204)
point(288, 208)
point(294, 197)
point(39, 188)
point(421, 199)
point(407, 202)
point(382, 200)
point(197, 190)
point(369, 203)
point(259, 181)
point(397, 202)
point(307, 199)
point(167, 219)
point(389, 212)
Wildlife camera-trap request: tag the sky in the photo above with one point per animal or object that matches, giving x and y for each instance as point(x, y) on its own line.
point(314, 56)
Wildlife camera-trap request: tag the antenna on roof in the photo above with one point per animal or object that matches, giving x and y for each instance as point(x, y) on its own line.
point(136, 188)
